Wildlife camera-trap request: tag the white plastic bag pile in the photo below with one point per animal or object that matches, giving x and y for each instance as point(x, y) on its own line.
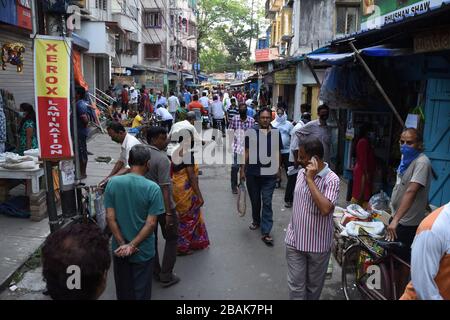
point(373, 228)
point(12, 161)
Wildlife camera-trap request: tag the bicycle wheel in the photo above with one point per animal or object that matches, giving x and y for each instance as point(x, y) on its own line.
point(350, 273)
point(360, 281)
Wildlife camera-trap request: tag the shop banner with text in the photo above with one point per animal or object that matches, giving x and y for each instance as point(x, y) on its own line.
point(52, 85)
point(377, 13)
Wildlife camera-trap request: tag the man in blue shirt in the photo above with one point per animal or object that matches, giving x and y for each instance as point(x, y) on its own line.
point(250, 109)
point(187, 97)
point(82, 125)
point(132, 205)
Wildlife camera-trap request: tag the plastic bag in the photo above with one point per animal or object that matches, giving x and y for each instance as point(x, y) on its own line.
point(100, 211)
point(374, 229)
point(356, 211)
point(380, 201)
point(242, 200)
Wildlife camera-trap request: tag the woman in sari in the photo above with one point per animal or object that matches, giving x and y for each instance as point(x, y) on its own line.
point(192, 234)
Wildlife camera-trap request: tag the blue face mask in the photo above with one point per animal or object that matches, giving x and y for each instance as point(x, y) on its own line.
point(409, 154)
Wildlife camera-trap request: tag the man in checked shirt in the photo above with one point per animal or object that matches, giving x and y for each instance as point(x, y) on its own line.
point(310, 231)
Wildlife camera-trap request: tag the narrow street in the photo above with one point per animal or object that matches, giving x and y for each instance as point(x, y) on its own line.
point(237, 265)
point(347, 100)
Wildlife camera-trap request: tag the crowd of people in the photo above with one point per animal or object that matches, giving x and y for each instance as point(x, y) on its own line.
point(147, 189)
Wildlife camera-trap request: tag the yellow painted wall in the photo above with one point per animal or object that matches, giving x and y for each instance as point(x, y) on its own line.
point(315, 102)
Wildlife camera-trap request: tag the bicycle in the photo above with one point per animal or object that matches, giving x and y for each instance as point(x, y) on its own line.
point(153, 121)
point(357, 273)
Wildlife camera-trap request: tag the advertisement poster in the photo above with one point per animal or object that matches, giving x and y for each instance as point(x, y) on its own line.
point(377, 13)
point(52, 74)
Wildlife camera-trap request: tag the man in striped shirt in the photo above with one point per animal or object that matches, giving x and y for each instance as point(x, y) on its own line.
point(310, 232)
point(239, 124)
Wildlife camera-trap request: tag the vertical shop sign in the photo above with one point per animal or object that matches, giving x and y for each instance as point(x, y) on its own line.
point(52, 82)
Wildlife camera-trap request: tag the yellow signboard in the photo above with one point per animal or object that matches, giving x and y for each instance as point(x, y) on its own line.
point(286, 76)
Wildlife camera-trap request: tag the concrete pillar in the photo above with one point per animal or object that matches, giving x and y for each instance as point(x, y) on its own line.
point(298, 93)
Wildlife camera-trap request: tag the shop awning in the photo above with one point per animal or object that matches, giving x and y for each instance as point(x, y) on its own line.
point(80, 41)
point(342, 58)
point(333, 59)
point(383, 51)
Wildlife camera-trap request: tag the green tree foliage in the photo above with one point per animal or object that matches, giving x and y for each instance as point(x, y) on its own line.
point(224, 31)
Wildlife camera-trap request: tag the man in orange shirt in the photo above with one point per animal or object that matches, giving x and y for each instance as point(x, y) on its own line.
point(197, 107)
point(430, 258)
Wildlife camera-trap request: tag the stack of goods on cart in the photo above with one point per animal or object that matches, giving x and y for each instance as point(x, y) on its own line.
point(354, 220)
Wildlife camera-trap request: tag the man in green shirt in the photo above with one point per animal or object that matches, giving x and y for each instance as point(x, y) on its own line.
point(132, 205)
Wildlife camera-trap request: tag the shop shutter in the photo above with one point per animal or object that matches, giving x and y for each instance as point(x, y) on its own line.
point(437, 137)
point(21, 85)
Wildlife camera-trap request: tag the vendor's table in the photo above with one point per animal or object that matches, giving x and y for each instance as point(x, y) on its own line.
point(24, 174)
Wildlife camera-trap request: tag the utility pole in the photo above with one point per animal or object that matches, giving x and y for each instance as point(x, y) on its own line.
point(251, 29)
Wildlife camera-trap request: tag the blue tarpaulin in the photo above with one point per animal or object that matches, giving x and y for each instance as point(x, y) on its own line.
point(342, 58)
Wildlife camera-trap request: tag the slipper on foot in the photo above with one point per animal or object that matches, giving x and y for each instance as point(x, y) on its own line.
point(267, 240)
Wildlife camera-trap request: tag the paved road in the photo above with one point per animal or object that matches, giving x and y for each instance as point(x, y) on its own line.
point(237, 265)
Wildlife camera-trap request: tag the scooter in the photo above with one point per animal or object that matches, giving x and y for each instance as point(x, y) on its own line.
point(206, 122)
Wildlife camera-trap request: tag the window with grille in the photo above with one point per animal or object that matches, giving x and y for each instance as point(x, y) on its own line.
point(172, 20)
point(152, 51)
point(192, 29)
point(101, 4)
point(184, 54)
point(152, 19)
point(347, 19)
point(192, 56)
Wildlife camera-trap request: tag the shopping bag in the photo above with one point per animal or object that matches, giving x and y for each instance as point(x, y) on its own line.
point(242, 200)
point(100, 211)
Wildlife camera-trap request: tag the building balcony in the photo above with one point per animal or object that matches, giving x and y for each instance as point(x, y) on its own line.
point(125, 21)
point(101, 42)
point(270, 12)
point(275, 5)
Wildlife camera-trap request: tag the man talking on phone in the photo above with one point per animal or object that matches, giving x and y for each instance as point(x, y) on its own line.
point(310, 231)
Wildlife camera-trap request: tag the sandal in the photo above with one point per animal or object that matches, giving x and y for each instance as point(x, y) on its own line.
point(185, 253)
point(267, 240)
point(253, 226)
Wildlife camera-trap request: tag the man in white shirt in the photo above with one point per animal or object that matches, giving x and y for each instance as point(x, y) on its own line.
point(184, 131)
point(294, 165)
point(118, 134)
point(166, 117)
point(134, 98)
point(174, 103)
point(187, 124)
point(162, 101)
point(204, 100)
point(218, 114)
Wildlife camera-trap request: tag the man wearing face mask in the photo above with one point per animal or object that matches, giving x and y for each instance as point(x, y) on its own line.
point(410, 195)
point(118, 134)
point(318, 129)
point(285, 127)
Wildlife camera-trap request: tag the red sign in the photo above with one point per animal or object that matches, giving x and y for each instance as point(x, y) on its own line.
point(54, 128)
point(24, 15)
point(262, 55)
point(269, 54)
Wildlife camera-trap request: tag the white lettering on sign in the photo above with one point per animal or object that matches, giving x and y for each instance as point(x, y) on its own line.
point(53, 112)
